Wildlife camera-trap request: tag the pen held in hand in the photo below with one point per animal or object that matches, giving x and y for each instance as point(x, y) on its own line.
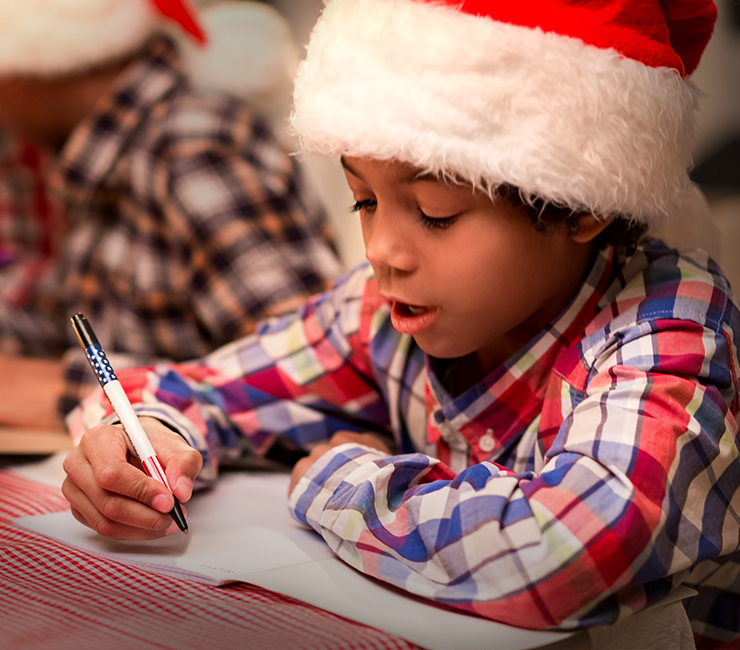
point(126, 414)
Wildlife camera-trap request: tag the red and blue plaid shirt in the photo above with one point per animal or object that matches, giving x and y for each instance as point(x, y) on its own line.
point(584, 479)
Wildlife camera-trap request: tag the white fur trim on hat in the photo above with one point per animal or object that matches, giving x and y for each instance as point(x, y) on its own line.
point(58, 36)
point(495, 103)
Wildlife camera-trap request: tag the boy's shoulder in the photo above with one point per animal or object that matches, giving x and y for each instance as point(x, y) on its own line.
point(660, 282)
point(660, 288)
point(199, 137)
point(188, 118)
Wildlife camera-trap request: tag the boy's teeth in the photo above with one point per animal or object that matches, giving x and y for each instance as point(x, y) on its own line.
point(416, 310)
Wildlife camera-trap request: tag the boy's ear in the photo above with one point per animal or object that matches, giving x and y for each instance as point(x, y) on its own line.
point(588, 228)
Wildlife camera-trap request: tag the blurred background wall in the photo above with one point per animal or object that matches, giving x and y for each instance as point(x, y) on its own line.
point(327, 176)
point(717, 154)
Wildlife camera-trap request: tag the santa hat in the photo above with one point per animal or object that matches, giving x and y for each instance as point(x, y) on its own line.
point(243, 48)
point(583, 104)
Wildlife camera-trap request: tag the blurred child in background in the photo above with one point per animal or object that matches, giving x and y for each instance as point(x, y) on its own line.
point(186, 220)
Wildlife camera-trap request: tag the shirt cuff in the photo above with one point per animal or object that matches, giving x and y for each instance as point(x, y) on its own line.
point(319, 484)
point(95, 410)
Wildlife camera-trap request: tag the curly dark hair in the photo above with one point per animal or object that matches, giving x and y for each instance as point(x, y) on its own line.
point(546, 217)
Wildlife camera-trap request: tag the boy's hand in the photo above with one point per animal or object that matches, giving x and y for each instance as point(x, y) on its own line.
point(109, 492)
point(339, 438)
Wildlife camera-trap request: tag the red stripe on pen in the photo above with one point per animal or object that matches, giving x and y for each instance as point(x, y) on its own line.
point(154, 468)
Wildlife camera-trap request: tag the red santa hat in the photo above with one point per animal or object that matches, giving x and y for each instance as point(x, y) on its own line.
point(585, 104)
point(243, 48)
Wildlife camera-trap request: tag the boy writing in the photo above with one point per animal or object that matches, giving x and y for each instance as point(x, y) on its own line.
point(521, 407)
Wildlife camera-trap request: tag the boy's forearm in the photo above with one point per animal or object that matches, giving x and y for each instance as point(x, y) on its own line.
point(473, 542)
point(290, 382)
point(534, 550)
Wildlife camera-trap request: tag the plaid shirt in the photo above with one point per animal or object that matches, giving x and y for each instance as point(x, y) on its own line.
point(32, 226)
point(583, 480)
point(187, 223)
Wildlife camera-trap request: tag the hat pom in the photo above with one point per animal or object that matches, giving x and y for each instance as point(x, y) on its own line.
point(249, 54)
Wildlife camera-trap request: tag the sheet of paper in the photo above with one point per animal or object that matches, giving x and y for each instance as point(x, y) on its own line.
point(240, 527)
point(241, 530)
point(337, 588)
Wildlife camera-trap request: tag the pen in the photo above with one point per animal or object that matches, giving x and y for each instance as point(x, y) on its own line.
point(120, 402)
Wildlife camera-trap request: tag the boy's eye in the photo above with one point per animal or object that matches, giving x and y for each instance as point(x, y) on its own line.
point(436, 223)
point(430, 223)
point(363, 205)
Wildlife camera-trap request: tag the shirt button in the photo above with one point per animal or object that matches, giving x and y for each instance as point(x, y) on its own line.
point(487, 443)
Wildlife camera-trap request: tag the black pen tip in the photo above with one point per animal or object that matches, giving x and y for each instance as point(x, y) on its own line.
point(177, 514)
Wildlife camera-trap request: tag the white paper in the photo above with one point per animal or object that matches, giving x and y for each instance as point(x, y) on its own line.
point(241, 526)
point(336, 587)
point(241, 530)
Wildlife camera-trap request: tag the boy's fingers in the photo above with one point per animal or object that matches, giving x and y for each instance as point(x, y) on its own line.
point(367, 439)
point(299, 469)
point(117, 499)
point(182, 463)
point(105, 450)
point(115, 516)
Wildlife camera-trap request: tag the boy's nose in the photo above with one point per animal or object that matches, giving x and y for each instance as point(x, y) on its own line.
point(387, 244)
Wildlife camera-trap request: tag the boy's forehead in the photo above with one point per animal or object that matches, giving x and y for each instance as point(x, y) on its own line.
point(398, 171)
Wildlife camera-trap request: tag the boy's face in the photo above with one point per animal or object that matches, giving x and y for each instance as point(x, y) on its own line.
point(45, 110)
point(21, 111)
point(465, 274)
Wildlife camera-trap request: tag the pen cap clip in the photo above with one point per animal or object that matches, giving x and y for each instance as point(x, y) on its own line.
point(84, 331)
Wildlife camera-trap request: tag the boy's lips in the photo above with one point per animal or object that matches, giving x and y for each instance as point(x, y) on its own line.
point(412, 319)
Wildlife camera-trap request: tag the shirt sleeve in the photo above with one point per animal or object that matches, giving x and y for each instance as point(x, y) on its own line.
point(296, 381)
point(638, 486)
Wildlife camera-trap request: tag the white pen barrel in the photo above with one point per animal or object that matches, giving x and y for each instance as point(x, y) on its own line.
point(129, 420)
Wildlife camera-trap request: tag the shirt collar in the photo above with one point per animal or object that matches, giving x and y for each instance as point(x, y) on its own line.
point(98, 142)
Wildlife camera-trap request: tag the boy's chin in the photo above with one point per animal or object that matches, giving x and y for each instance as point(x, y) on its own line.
point(441, 349)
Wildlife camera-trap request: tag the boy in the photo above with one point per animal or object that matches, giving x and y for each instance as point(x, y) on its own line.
point(559, 396)
point(186, 220)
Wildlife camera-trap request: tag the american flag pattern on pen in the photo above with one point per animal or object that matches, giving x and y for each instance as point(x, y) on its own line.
point(54, 596)
point(583, 480)
point(100, 364)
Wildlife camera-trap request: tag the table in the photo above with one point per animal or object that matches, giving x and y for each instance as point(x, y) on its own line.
point(55, 597)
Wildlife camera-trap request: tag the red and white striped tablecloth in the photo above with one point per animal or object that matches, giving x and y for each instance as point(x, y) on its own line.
point(53, 597)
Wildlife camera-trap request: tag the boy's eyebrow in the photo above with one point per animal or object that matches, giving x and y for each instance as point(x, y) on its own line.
point(416, 177)
point(348, 167)
point(411, 177)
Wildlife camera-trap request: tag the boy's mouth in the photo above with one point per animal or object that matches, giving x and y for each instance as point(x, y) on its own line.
point(411, 310)
point(412, 319)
